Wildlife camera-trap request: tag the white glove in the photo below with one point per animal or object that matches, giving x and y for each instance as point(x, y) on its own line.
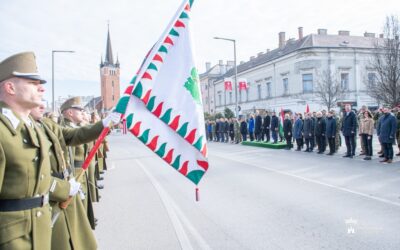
point(82, 194)
point(113, 118)
point(75, 186)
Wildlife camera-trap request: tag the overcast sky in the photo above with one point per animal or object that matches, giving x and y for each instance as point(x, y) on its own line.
point(45, 25)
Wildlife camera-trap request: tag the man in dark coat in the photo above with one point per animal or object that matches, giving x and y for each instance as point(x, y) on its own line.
point(274, 127)
point(266, 126)
point(386, 131)
point(257, 128)
point(226, 130)
point(320, 133)
point(217, 129)
point(308, 132)
point(243, 129)
point(297, 131)
point(287, 131)
point(349, 127)
point(331, 132)
point(221, 130)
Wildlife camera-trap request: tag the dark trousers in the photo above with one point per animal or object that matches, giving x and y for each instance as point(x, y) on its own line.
point(350, 145)
point(331, 142)
point(221, 136)
point(244, 136)
point(310, 143)
point(210, 137)
point(299, 143)
point(274, 135)
point(267, 134)
point(217, 136)
point(367, 144)
point(388, 150)
point(232, 135)
point(251, 136)
point(226, 136)
point(288, 141)
point(321, 143)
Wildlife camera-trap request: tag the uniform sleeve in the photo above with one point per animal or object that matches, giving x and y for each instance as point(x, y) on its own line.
point(59, 189)
point(2, 166)
point(77, 136)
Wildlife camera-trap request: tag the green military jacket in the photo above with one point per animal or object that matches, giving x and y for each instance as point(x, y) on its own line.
point(72, 229)
point(78, 154)
point(24, 173)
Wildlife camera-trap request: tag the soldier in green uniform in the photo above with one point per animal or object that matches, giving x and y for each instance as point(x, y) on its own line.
point(397, 114)
point(338, 138)
point(25, 179)
point(71, 228)
point(236, 129)
point(72, 116)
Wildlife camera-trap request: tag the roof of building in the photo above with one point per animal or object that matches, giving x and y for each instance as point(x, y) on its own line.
point(309, 41)
point(109, 55)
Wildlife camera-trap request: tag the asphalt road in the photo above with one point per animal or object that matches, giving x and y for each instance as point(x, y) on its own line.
point(250, 198)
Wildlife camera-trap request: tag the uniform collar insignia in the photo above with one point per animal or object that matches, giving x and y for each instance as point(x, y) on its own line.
point(11, 117)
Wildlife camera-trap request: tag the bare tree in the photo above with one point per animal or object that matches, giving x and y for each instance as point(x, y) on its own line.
point(384, 85)
point(329, 89)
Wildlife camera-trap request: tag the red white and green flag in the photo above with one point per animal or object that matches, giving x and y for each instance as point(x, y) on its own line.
point(282, 118)
point(163, 105)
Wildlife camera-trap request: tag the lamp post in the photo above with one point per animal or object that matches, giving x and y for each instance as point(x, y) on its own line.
point(52, 74)
point(234, 59)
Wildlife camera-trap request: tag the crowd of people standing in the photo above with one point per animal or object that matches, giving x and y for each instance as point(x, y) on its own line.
point(319, 131)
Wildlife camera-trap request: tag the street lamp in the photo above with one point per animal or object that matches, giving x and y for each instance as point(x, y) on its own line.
point(52, 74)
point(234, 56)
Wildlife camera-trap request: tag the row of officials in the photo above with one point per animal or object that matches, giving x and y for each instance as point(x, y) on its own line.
point(40, 161)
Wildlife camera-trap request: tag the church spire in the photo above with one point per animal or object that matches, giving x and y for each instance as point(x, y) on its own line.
point(109, 56)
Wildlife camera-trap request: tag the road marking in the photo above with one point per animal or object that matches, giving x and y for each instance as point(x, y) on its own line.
point(176, 215)
point(313, 181)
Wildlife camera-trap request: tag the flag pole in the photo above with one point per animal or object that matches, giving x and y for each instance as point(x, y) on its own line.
point(87, 161)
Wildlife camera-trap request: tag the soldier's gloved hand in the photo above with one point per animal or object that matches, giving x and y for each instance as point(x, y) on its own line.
point(113, 118)
point(75, 186)
point(81, 193)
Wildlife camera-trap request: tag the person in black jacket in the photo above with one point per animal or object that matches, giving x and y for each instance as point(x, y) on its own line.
point(349, 127)
point(308, 132)
point(217, 130)
point(243, 129)
point(266, 126)
point(257, 127)
point(331, 132)
point(386, 131)
point(231, 131)
point(320, 130)
point(287, 131)
point(274, 127)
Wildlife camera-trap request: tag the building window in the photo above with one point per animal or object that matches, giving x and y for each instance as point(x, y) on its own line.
point(259, 91)
point(219, 99)
point(113, 97)
point(206, 100)
point(247, 95)
point(268, 89)
point(230, 97)
point(285, 86)
point(371, 79)
point(307, 83)
point(344, 80)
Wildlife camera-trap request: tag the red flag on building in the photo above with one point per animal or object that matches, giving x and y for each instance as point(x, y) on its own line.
point(243, 84)
point(228, 84)
point(307, 109)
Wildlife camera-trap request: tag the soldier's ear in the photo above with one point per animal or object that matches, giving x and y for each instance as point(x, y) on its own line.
point(8, 87)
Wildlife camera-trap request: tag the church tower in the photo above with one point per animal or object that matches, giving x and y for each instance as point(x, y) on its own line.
point(109, 74)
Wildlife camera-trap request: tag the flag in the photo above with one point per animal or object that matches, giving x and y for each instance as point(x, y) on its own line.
point(282, 118)
point(163, 105)
point(307, 109)
point(243, 84)
point(228, 84)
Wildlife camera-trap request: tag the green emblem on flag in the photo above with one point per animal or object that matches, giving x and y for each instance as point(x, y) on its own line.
point(193, 86)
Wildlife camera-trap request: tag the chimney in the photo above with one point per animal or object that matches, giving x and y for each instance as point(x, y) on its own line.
point(229, 65)
point(221, 62)
point(241, 62)
point(252, 58)
point(380, 35)
point(208, 66)
point(268, 50)
point(322, 32)
point(344, 33)
point(300, 33)
point(368, 34)
point(259, 54)
point(281, 39)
